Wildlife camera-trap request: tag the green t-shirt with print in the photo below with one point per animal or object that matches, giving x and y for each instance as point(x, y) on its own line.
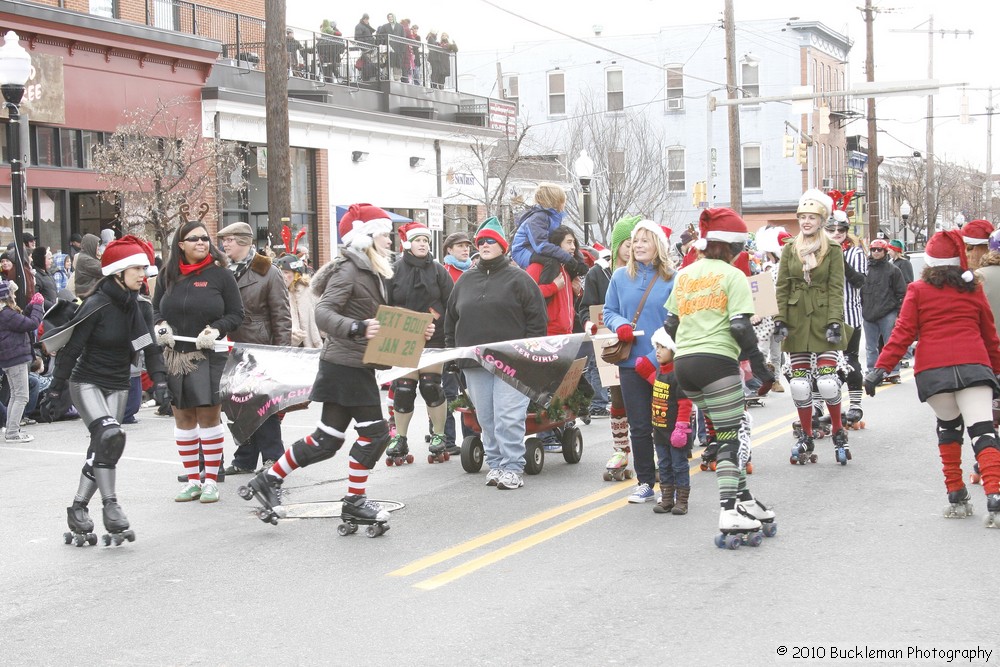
point(706, 296)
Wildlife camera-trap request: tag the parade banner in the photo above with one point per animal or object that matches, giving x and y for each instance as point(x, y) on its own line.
point(400, 338)
point(534, 366)
point(261, 380)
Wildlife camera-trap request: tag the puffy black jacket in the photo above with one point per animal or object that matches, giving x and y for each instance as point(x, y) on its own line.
point(883, 290)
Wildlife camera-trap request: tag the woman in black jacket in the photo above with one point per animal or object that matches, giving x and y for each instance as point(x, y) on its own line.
point(112, 327)
point(45, 282)
point(423, 285)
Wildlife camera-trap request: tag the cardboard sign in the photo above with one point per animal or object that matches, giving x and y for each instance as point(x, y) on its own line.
point(597, 316)
point(765, 302)
point(400, 337)
point(572, 379)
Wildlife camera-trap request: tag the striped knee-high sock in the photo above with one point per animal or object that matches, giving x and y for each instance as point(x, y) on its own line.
point(187, 446)
point(211, 448)
point(358, 474)
point(287, 463)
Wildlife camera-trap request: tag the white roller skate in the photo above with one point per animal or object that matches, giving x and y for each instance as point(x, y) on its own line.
point(617, 466)
point(993, 510)
point(759, 511)
point(960, 506)
point(737, 527)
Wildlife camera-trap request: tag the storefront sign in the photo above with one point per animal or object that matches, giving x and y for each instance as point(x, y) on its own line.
point(44, 94)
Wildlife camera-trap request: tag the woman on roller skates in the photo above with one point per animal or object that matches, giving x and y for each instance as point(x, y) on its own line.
point(423, 285)
point(635, 303)
point(91, 371)
point(708, 315)
point(196, 297)
point(955, 366)
point(353, 286)
point(595, 289)
point(810, 321)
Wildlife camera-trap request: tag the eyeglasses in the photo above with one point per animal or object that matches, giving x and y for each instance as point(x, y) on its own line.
point(195, 239)
point(485, 241)
point(837, 230)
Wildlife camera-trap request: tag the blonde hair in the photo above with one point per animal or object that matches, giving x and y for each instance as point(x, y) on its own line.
point(379, 261)
point(664, 265)
point(550, 195)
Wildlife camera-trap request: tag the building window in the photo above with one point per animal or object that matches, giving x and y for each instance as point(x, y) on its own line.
point(750, 76)
point(751, 167)
point(614, 81)
point(69, 148)
point(89, 141)
point(107, 8)
point(510, 88)
point(675, 87)
point(46, 152)
point(675, 170)
point(557, 93)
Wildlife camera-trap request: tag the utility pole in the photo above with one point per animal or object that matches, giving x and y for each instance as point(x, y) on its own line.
point(988, 195)
point(871, 187)
point(735, 158)
point(279, 170)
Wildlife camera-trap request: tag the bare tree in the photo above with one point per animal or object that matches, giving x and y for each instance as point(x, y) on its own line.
point(957, 190)
point(159, 160)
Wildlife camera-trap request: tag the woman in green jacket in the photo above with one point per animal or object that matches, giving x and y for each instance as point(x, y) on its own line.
point(810, 293)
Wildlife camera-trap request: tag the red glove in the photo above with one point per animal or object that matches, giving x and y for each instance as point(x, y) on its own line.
point(626, 333)
point(589, 328)
point(645, 368)
point(37, 298)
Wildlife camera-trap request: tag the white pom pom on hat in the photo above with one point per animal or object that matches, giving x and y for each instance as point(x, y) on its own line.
point(720, 224)
point(947, 248)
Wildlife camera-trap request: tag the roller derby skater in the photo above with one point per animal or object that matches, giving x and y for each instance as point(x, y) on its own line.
point(423, 285)
point(616, 469)
point(810, 320)
point(352, 290)
point(709, 316)
point(956, 366)
point(91, 371)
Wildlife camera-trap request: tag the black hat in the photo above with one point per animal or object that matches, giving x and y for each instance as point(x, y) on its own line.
point(75, 238)
point(27, 237)
point(456, 237)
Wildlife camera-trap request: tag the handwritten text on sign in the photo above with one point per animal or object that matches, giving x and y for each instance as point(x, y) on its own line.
point(400, 338)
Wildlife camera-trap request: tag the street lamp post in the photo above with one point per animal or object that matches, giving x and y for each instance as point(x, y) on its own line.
point(15, 67)
point(584, 168)
point(904, 213)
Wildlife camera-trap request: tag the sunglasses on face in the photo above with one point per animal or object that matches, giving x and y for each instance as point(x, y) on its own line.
point(486, 241)
point(878, 249)
point(195, 239)
point(837, 230)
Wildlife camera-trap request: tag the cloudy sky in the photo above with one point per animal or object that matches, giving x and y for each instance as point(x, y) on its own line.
point(486, 25)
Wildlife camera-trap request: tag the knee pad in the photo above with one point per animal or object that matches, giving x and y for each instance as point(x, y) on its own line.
point(319, 446)
point(983, 435)
point(431, 389)
point(828, 383)
point(405, 395)
point(800, 387)
point(107, 440)
point(368, 453)
point(950, 431)
point(728, 451)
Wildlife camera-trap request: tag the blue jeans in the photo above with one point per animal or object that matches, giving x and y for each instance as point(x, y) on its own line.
point(134, 399)
point(600, 399)
point(880, 327)
point(637, 394)
point(501, 411)
point(672, 461)
point(264, 443)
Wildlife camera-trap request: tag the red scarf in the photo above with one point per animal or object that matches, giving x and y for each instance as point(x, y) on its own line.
point(193, 268)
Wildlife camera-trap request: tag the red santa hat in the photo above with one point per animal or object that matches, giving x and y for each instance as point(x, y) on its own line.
point(662, 338)
point(720, 224)
point(977, 232)
point(947, 248)
point(602, 252)
point(412, 230)
point(361, 223)
point(124, 253)
point(658, 234)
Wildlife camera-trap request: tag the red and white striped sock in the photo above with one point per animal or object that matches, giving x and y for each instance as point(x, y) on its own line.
point(212, 438)
point(357, 477)
point(187, 446)
point(287, 462)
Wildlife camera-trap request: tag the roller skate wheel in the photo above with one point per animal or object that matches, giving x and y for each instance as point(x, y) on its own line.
point(245, 492)
point(733, 542)
point(372, 531)
point(749, 468)
point(343, 530)
point(755, 539)
point(793, 460)
point(389, 462)
point(813, 458)
point(975, 478)
point(430, 458)
point(607, 476)
point(713, 465)
point(130, 535)
point(720, 541)
point(841, 457)
point(106, 539)
point(704, 467)
point(68, 537)
point(91, 539)
point(769, 529)
point(445, 456)
point(627, 474)
point(409, 458)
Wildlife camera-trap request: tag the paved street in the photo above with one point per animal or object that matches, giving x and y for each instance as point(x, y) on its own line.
point(562, 571)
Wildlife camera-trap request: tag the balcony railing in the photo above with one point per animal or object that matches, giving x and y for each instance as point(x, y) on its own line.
point(311, 55)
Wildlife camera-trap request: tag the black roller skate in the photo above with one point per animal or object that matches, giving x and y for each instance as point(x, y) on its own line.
point(358, 510)
point(709, 456)
point(853, 418)
point(116, 523)
point(81, 526)
point(993, 510)
point(841, 448)
point(960, 506)
point(267, 490)
point(398, 452)
point(438, 450)
point(802, 451)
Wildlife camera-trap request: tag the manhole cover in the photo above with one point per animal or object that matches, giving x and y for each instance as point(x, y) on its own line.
point(328, 509)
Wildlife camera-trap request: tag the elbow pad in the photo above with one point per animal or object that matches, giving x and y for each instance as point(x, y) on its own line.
point(743, 332)
point(670, 325)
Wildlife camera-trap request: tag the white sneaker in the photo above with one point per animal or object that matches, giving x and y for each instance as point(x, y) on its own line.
point(509, 480)
point(492, 477)
point(19, 437)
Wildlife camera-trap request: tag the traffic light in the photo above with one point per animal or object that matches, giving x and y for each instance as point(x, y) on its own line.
point(699, 195)
point(789, 147)
point(802, 153)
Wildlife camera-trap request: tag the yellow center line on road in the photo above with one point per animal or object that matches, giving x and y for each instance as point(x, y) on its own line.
point(773, 428)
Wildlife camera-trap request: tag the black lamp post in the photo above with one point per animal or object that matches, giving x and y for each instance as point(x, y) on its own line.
point(584, 168)
point(15, 68)
point(904, 212)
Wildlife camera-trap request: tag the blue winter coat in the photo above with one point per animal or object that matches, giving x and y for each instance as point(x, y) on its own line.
point(532, 236)
point(17, 334)
point(624, 295)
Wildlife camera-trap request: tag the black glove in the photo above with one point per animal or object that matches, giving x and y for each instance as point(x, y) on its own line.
point(780, 331)
point(56, 402)
point(161, 393)
point(451, 367)
point(577, 268)
point(758, 366)
point(358, 329)
point(833, 333)
point(873, 380)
